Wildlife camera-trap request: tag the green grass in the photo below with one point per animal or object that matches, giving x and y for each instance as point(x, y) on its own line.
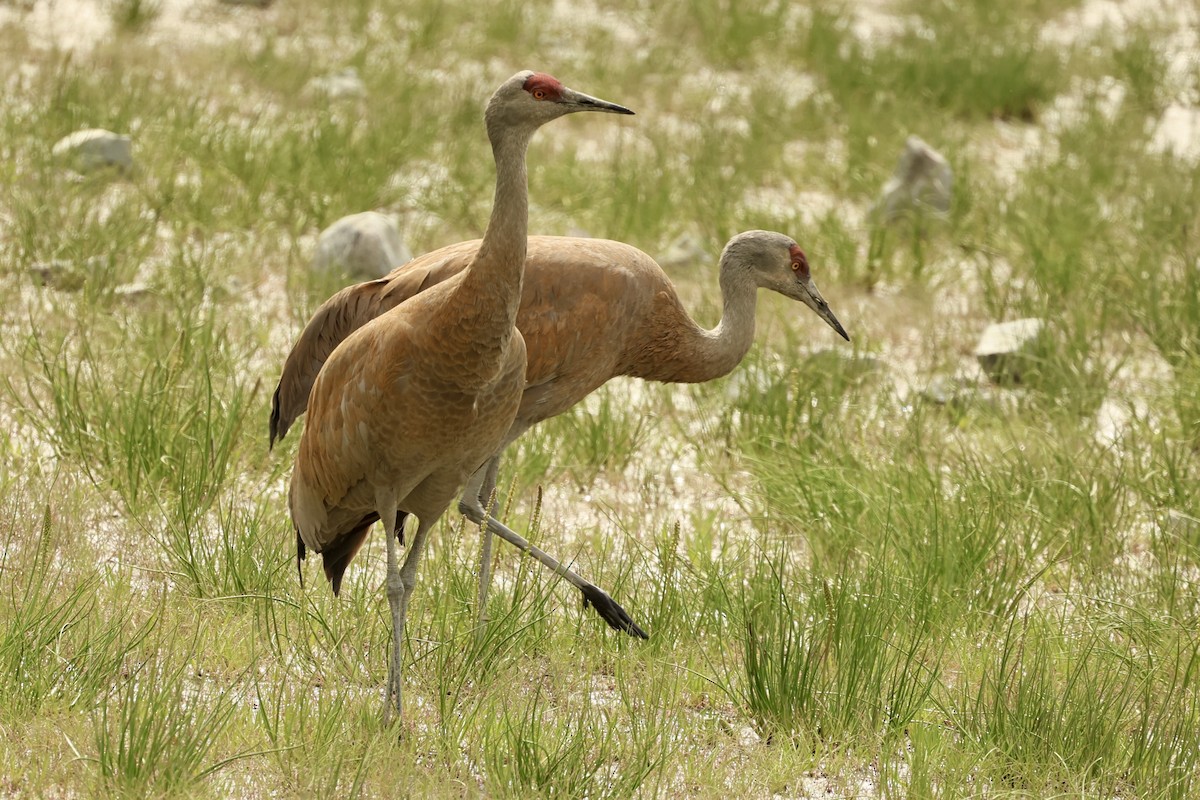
point(850, 589)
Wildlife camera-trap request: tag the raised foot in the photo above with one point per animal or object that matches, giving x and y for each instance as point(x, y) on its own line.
point(611, 612)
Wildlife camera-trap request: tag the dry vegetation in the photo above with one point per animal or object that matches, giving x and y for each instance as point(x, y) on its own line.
point(851, 590)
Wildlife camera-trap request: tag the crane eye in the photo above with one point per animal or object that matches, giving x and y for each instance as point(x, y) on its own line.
point(539, 94)
point(796, 266)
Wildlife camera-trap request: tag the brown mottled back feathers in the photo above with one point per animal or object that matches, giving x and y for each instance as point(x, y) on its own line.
point(575, 292)
point(388, 410)
point(346, 312)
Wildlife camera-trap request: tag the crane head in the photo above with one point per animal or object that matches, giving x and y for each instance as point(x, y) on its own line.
point(778, 263)
point(531, 99)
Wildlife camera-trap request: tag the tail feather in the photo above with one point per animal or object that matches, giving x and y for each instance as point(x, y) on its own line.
point(339, 555)
point(279, 426)
point(301, 554)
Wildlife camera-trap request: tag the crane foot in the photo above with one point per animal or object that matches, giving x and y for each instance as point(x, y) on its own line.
point(611, 612)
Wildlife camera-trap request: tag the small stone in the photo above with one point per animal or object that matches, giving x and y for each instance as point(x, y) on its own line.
point(685, 251)
point(1178, 133)
point(1112, 422)
point(944, 390)
point(837, 361)
point(1181, 524)
point(1005, 348)
point(132, 291)
point(95, 148)
point(343, 85)
point(922, 180)
point(364, 246)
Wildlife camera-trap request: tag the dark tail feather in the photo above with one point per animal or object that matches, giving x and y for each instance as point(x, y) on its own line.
point(278, 431)
point(300, 556)
point(338, 556)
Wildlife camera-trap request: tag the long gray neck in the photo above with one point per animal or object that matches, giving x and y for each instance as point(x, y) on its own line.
point(725, 346)
point(494, 276)
point(477, 330)
point(677, 350)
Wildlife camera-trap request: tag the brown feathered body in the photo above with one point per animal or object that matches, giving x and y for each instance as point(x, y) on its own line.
point(591, 309)
point(404, 405)
point(408, 402)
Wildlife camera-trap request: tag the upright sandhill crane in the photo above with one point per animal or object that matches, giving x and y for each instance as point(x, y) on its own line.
point(591, 309)
point(407, 407)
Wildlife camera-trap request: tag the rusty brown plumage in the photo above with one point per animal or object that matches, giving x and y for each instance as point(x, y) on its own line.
point(591, 309)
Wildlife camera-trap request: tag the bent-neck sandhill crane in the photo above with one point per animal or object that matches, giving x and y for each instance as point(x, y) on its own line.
point(407, 407)
point(591, 310)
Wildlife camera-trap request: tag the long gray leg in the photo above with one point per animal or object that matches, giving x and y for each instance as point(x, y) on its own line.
point(478, 491)
point(408, 572)
point(396, 595)
point(611, 612)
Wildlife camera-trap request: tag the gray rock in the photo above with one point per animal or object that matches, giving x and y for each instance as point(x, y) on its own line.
point(1181, 524)
point(363, 246)
point(835, 360)
point(961, 392)
point(1112, 423)
point(1006, 349)
point(922, 180)
point(132, 291)
point(95, 148)
point(685, 251)
point(944, 390)
point(1178, 133)
point(343, 85)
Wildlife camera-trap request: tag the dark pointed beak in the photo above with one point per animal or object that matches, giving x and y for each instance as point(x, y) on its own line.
point(824, 313)
point(813, 299)
point(578, 101)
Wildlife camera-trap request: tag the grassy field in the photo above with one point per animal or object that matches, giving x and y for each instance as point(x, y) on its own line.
point(851, 590)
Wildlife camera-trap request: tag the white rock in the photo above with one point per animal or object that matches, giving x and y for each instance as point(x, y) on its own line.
point(133, 291)
point(1112, 422)
point(95, 148)
point(365, 246)
point(1178, 132)
point(923, 179)
point(343, 85)
point(1181, 524)
point(685, 251)
point(1004, 345)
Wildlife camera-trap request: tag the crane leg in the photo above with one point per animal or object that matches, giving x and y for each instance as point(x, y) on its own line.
point(608, 609)
point(396, 595)
point(401, 579)
point(478, 491)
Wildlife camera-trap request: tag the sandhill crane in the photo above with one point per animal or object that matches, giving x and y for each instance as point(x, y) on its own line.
point(407, 407)
point(591, 310)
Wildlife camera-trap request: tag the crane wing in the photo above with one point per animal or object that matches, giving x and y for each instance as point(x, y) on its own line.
point(582, 299)
point(346, 312)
